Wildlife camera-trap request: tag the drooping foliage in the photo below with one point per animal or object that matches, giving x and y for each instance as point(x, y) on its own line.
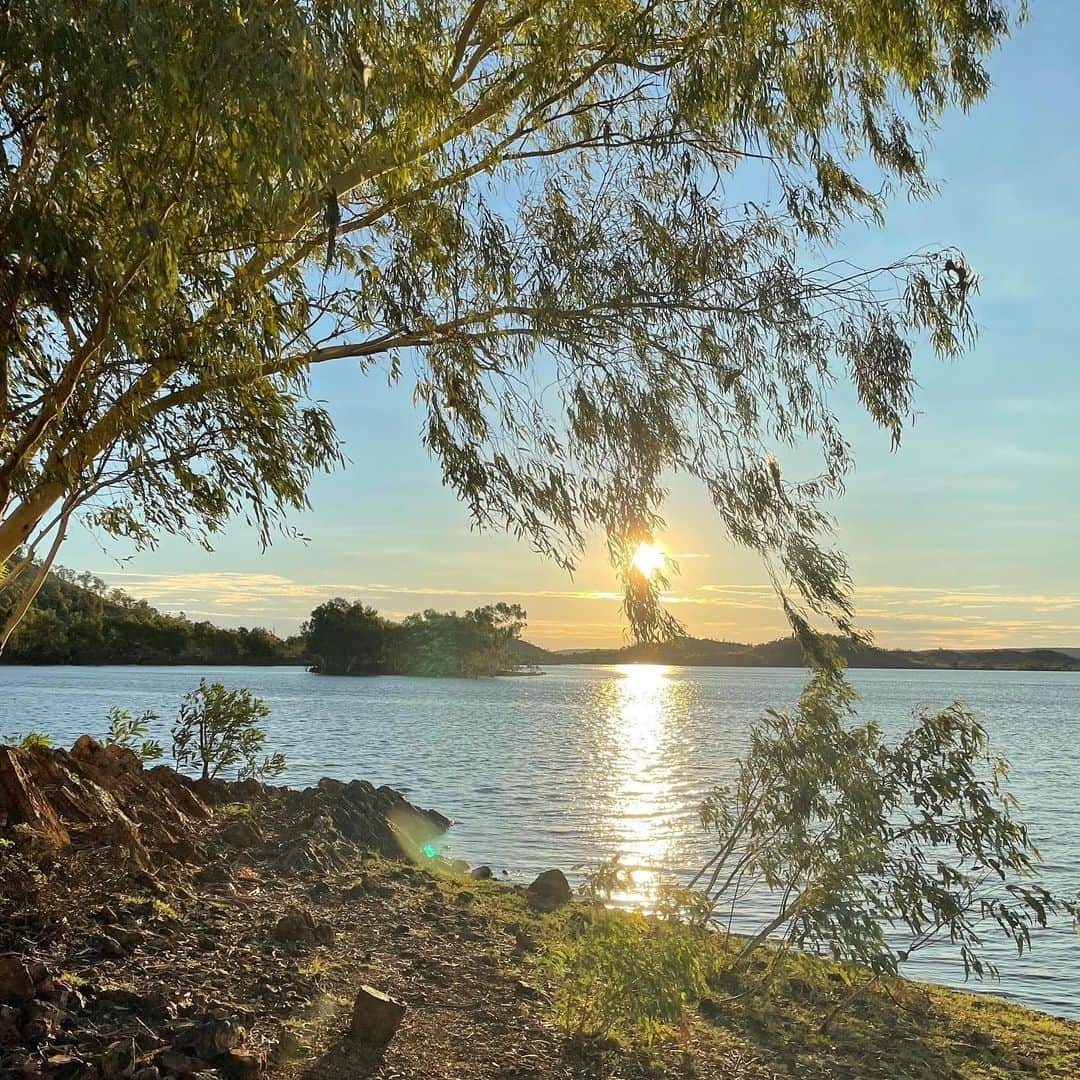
point(591, 237)
point(871, 850)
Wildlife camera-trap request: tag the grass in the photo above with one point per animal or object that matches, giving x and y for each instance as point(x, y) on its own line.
point(770, 1018)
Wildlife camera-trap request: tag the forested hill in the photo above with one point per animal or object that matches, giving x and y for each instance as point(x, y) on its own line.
point(786, 652)
point(77, 619)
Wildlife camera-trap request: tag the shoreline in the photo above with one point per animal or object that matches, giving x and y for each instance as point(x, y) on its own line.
point(251, 915)
point(542, 668)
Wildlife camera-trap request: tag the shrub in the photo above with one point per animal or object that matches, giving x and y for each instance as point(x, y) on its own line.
point(217, 728)
point(130, 732)
point(851, 835)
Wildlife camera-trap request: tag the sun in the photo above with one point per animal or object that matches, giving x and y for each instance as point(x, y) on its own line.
point(649, 559)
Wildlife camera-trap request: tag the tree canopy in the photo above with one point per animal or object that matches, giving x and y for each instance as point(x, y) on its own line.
point(592, 236)
point(343, 638)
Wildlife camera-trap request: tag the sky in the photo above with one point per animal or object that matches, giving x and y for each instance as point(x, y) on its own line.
point(968, 536)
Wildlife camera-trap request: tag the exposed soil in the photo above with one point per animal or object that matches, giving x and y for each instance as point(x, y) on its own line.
point(169, 928)
point(154, 927)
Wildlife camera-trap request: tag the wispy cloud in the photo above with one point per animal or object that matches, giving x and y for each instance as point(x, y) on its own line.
point(900, 615)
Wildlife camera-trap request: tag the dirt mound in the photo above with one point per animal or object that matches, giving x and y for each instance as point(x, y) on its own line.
point(55, 802)
point(96, 796)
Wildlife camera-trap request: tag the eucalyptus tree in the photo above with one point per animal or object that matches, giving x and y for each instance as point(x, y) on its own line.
point(592, 236)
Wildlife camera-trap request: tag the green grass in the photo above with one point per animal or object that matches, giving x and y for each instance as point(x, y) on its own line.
point(773, 1015)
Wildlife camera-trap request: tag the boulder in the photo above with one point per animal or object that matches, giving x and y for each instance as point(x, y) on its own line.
point(481, 873)
point(376, 1016)
point(22, 801)
point(549, 891)
point(97, 795)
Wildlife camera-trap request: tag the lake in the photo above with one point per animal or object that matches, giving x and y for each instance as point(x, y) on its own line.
point(570, 767)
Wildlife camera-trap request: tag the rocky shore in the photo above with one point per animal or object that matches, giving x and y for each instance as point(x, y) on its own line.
point(155, 927)
point(151, 926)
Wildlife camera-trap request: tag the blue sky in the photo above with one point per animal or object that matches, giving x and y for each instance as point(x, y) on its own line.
point(968, 535)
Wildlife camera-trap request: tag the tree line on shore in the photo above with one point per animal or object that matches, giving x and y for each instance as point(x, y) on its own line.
point(77, 619)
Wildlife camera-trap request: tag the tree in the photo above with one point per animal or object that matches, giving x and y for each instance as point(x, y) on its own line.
point(870, 851)
point(217, 728)
point(594, 231)
point(345, 638)
point(472, 644)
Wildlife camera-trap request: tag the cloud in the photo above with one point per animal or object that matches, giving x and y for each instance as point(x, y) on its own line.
point(910, 616)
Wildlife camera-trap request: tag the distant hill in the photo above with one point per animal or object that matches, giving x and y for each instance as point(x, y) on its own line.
point(77, 619)
point(786, 652)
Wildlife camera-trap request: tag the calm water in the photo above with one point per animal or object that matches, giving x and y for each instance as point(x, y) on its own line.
point(567, 768)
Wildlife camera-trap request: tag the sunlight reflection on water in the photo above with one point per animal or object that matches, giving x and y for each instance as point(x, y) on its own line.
point(642, 716)
point(586, 762)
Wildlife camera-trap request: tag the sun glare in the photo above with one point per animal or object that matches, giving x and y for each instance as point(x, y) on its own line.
point(648, 559)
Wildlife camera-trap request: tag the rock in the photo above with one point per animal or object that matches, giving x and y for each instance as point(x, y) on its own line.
point(147, 1041)
point(16, 980)
point(295, 925)
point(9, 1026)
point(173, 1063)
point(241, 833)
point(159, 1003)
point(213, 874)
point(376, 1016)
point(549, 891)
point(22, 801)
point(441, 821)
point(298, 926)
point(365, 885)
point(118, 1061)
point(147, 1072)
point(129, 939)
point(65, 1067)
point(217, 1037)
point(237, 1066)
point(710, 1008)
point(108, 945)
point(40, 1021)
point(481, 873)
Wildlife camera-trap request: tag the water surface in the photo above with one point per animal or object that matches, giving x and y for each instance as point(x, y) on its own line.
point(583, 762)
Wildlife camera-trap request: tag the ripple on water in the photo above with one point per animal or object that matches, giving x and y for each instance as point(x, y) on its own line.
point(589, 761)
